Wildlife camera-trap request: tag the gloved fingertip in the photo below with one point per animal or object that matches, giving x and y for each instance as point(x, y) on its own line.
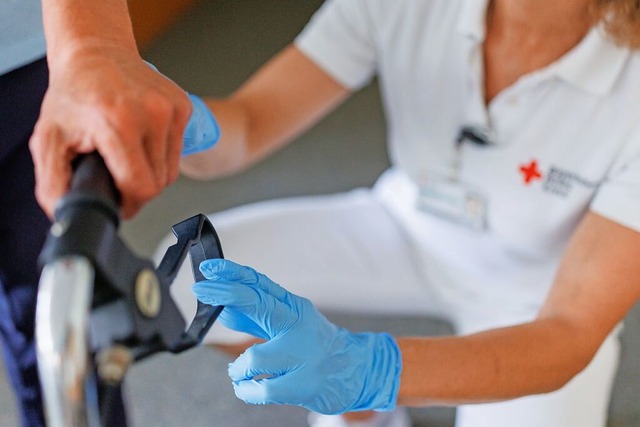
point(242, 368)
point(202, 131)
point(223, 268)
point(211, 267)
point(235, 372)
point(206, 300)
point(200, 288)
point(250, 391)
point(202, 291)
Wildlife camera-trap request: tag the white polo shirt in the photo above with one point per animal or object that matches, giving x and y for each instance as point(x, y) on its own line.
point(566, 138)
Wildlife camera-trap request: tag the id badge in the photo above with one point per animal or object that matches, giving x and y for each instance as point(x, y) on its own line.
point(454, 201)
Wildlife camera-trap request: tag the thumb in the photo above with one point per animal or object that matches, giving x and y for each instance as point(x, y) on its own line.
point(265, 374)
point(261, 361)
point(266, 391)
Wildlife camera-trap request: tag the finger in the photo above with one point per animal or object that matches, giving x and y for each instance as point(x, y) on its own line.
point(176, 131)
point(277, 390)
point(261, 361)
point(158, 121)
point(52, 165)
point(232, 294)
point(228, 270)
point(126, 159)
point(155, 147)
point(220, 268)
point(130, 207)
point(235, 319)
point(270, 314)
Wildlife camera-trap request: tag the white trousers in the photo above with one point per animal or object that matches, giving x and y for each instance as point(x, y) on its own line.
point(348, 253)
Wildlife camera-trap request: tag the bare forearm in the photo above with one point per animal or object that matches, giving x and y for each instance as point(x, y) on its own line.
point(73, 24)
point(283, 99)
point(543, 355)
point(501, 364)
point(249, 133)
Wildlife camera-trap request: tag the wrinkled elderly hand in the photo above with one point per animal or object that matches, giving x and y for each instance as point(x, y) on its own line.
point(307, 360)
point(106, 98)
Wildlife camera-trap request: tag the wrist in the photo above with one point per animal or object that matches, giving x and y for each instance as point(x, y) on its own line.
point(71, 27)
point(87, 50)
point(382, 378)
point(202, 131)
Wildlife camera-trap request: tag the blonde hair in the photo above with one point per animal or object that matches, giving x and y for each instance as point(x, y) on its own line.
point(621, 20)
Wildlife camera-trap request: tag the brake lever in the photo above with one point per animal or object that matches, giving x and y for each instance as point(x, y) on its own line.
point(196, 236)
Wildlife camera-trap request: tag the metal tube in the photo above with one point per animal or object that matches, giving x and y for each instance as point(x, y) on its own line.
point(62, 318)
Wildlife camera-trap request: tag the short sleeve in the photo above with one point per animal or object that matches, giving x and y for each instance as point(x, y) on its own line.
point(340, 39)
point(618, 197)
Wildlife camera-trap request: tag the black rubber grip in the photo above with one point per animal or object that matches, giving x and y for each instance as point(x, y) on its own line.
point(91, 184)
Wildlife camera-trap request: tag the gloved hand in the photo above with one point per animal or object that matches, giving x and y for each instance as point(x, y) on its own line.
point(307, 360)
point(202, 131)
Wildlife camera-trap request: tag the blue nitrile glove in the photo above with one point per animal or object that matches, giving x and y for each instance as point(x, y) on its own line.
point(202, 131)
point(307, 360)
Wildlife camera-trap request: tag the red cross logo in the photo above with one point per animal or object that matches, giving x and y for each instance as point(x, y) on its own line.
point(530, 172)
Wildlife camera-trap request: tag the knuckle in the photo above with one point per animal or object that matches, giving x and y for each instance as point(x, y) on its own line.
point(118, 118)
point(158, 105)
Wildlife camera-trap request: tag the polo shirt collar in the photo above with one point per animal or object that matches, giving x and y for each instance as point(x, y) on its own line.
point(593, 65)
